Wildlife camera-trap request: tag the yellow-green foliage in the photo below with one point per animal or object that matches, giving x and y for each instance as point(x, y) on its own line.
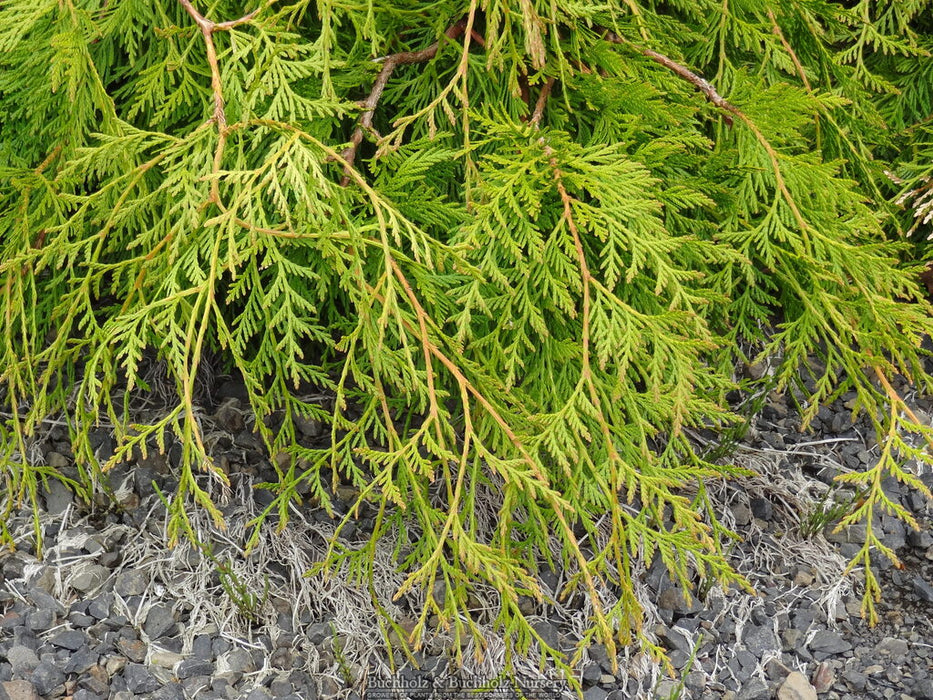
point(523, 243)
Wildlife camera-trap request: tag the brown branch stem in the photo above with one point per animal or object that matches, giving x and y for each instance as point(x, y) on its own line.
point(219, 117)
point(542, 101)
point(700, 83)
point(719, 101)
point(370, 103)
point(776, 30)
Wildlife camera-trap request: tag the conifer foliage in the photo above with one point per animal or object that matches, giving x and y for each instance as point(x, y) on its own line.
point(521, 244)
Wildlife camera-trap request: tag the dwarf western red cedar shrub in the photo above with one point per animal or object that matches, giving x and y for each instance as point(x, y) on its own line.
point(522, 244)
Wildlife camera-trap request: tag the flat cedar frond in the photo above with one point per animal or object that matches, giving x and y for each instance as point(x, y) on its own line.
point(507, 252)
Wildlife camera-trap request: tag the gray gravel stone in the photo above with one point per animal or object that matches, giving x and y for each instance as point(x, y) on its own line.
point(81, 620)
point(84, 694)
point(69, 639)
point(920, 539)
point(282, 658)
point(923, 589)
point(803, 618)
point(57, 460)
point(22, 659)
point(239, 660)
point(548, 632)
point(674, 639)
point(41, 620)
point(673, 599)
point(139, 679)
point(42, 578)
point(57, 497)
point(160, 621)
point(891, 646)
point(762, 508)
point(201, 647)
point(595, 693)
point(131, 582)
point(923, 689)
point(592, 673)
point(829, 642)
point(696, 682)
point(18, 690)
point(854, 679)
point(12, 567)
point(47, 677)
point(309, 427)
point(599, 655)
point(194, 667)
point(665, 688)
point(10, 620)
point(280, 687)
point(99, 607)
point(196, 686)
point(169, 691)
point(219, 645)
point(754, 689)
point(21, 636)
point(328, 687)
point(759, 640)
point(81, 661)
point(320, 631)
point(43, 600)
point(88, 576)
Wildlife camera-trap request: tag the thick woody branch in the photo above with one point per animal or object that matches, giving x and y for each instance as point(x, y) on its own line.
point(388, 66)
point(701, 84)
point(230, 24)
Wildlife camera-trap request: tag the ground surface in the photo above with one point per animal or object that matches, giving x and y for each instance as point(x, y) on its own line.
point(109, 612)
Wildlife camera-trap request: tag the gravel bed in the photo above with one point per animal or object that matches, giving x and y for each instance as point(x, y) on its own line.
point(109, 612)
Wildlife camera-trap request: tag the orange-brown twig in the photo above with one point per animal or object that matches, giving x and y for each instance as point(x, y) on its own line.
point(388, 66)
point(542, 101)
point(219, 117)
point(719, 101)
point(776, 29)
point(700, 83)
point(208, 28)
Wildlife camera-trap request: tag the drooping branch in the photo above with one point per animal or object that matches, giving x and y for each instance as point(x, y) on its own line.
point(719, 101)
point(586, 276)
point(388, 66)
point(700, 83)
point(208, 28)
point(219, 117)
point(776, 30)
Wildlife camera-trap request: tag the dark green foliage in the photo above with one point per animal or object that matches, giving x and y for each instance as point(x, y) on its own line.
point(536, 265)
